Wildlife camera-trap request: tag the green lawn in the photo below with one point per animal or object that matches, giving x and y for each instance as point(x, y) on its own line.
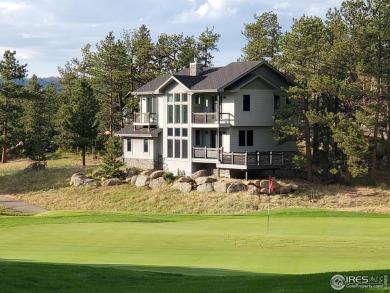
point(167, 252)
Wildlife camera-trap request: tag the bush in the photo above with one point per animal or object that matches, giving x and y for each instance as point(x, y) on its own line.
point(168, 177)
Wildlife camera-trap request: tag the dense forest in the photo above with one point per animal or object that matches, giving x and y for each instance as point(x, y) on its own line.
point(339, 110)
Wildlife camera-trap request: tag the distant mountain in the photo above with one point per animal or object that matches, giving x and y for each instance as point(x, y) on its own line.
point(43, 81)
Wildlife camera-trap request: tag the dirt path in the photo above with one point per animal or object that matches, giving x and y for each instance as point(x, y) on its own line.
point(19, 206)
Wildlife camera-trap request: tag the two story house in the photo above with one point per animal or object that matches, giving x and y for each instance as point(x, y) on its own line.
point(217, 118)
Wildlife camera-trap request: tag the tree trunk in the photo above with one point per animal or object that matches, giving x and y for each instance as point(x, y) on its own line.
point(309, 161)
point(4, 146)
point(83, 155)
point(374, 148)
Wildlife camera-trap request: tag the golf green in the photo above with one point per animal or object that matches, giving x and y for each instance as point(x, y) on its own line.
point(292, 244)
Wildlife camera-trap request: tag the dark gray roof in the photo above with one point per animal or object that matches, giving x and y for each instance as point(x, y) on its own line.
point(212, 78)
point(129, 131)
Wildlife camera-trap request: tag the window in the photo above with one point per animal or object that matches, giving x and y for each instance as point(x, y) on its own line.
point(177, 131)
point(198, 100)
point(197, 137)
point(146, 145)
point(170, 113)
point(245, 138)
point(170, 148)
point(129, 145)
point(170, 98)
point(184, 149)
point(249, 137)
point(241, 138)
point(177, 97)
point(177, 113)
point(276, 102)
point(184, 109)
point(246, 106)
point(184, 97)
point(177, 143)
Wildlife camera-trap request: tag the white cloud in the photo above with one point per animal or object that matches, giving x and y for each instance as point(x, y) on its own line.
point(215, 9)
point(7, 6)
point(281, 6)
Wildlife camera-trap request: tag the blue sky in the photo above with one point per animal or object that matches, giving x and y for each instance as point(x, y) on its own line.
point(47, 33)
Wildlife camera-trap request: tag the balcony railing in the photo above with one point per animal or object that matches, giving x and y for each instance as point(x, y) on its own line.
point(253, 158)
point(212, 118)
point(145, 119)
point(247, 159)
point(206, 153)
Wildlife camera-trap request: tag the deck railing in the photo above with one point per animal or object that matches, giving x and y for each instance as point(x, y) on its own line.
point(145, 118)
point(253, 158)
point(206, 153)
point(212, 118)
point(239, 158)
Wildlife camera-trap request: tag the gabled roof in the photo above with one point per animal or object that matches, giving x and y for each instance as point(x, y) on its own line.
point(212, 78)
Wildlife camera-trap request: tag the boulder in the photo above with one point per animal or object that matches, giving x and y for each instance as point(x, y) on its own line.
point(146, 173)
point(294, 187)
point(206, 187)
point(285, 189)
point(142, 181)
point(265, 184)
point(182, 186)
point(79, 179)
point(203, 180)
point(236, 187)
point(156, 174)
point(90, 182)
point(112, 182)
point(253, 189)
point(129, 172)
point(157, 183)
point(133, 179)
point(221, 186)
point(36, 166)
point(185, 179)
point(200, 173)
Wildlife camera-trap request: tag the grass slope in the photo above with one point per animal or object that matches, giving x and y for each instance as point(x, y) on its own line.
point(38, 277)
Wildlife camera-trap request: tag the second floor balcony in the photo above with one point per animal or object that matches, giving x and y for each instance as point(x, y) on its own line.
point(145, 119)
point(213, 118)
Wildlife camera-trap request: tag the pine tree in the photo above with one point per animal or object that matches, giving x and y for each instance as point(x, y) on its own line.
point(207, 43)
point(80, 122)
point(36, 124)
point(111, 163)
point(10, 69)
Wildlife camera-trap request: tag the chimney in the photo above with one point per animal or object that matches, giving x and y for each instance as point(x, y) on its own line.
point(196, 68)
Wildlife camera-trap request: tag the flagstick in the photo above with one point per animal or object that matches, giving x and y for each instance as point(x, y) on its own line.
point(269, 192)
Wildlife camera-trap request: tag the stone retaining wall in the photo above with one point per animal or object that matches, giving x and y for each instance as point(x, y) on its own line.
point(144, 164)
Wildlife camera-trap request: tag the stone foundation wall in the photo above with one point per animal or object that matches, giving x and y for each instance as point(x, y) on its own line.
point(144, 164)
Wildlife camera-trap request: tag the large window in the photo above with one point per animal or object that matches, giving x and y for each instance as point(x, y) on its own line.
point(177, 108)
point(146, 145)
point(245, 138)
point(246, 105)
point(177, 143)
point(129, 145)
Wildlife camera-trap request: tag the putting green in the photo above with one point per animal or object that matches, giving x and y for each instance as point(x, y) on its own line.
point(218, 245)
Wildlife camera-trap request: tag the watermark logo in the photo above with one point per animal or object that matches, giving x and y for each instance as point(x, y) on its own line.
point(339, 282)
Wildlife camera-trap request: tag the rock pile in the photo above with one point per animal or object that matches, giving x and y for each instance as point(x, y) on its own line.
point(199, 181)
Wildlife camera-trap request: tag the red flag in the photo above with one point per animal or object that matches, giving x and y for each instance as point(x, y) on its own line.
point(271, 185)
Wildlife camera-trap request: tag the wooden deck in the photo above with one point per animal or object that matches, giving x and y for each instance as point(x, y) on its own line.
point(239, 160)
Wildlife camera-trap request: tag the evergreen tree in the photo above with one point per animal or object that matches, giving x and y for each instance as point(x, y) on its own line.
point(207, 43)
point(80, 122)
point(36, 124)
point(111, 163)
point(10, 93)
point(263, 38)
